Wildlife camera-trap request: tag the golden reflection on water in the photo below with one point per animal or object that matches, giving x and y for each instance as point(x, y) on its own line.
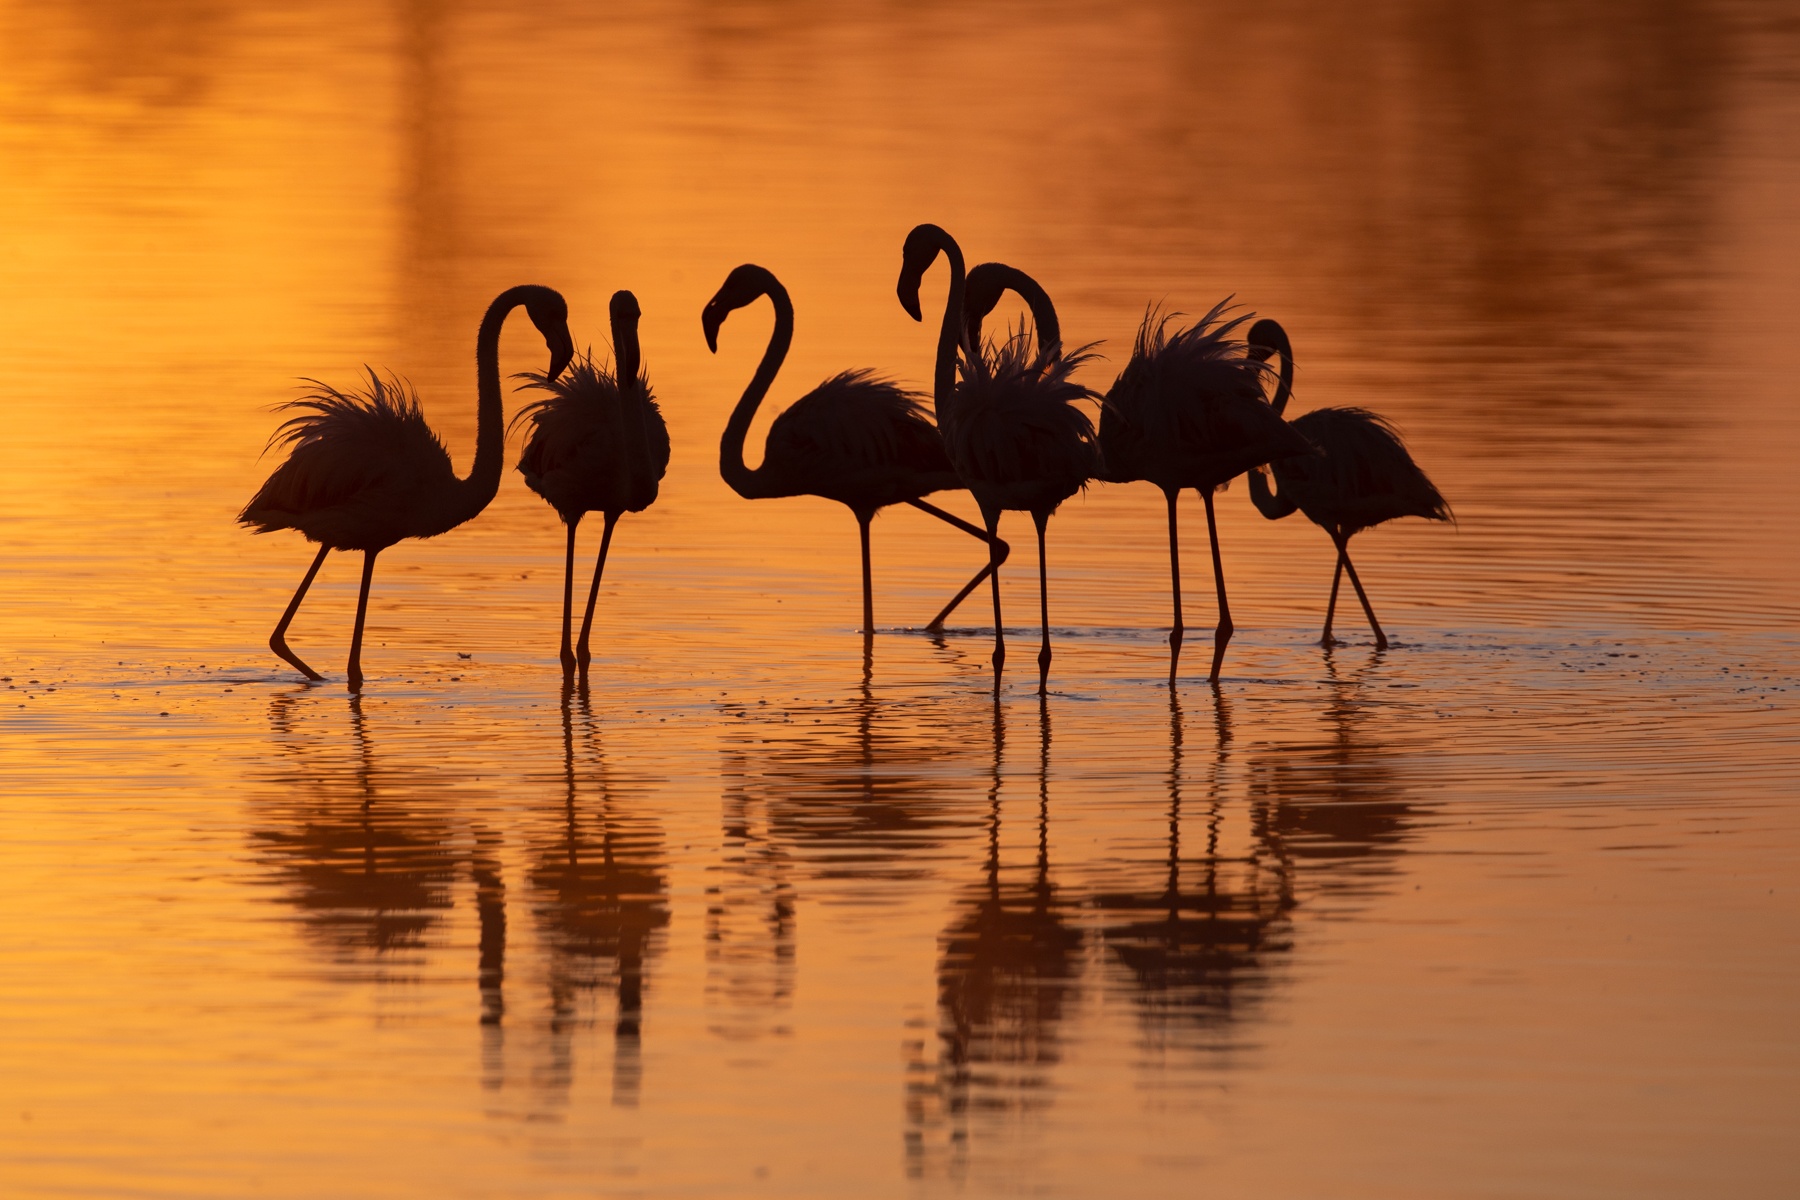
point(773, 909)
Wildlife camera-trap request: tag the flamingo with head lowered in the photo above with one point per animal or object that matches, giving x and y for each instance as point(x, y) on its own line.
point(858, 439)
point(1361, 476)
point(598, 444)
point(365, 471)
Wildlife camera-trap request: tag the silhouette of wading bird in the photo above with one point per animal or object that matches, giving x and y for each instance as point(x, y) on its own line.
point(1361, 476)
point(364, 470)
point(1188, 411)
point(598, 444)
point(856, 438)
point(1010, 423)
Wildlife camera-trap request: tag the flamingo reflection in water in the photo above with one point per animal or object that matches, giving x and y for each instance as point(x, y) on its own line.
point(599, 896)
point(1361, 475)
point(1012, 423)
point(857, 438)
point(365, 471)
point(598, 444)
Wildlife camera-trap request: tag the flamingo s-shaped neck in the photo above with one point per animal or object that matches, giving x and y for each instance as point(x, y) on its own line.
point(478, 488)
point(744, 481)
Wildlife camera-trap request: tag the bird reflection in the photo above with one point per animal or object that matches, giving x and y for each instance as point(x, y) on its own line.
point(1008, 970)
point(1195, 944)
point(599, 895)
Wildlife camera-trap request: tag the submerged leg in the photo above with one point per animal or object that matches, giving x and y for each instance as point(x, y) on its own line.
point(1042, 519)
point(362, 611)
point(278, 639)
point(992, 516)
point(1337, 575)
point(1221, 634)
point(567, 651)
point(868, 580)
point(582, 657)
point(997, 552)
point(1381, 642)
point(1175, 631)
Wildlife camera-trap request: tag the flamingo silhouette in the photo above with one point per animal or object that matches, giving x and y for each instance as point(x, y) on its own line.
point(1010, 425)
point(364, 470)
point(858, 439)
point(1361, 475)
point(598, 444)
point(1188, 411)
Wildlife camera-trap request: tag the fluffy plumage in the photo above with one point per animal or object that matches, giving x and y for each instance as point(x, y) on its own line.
point(1014, 428)
point(858, 438)
point(1361, 476)
point(1188, 409)
point(363, 470)
point(579, 454)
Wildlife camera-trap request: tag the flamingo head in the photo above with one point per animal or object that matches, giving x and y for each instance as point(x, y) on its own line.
point(922, 247)
point(623, 310)
point(550, 313)
point(743, 286)
point(1267, 338)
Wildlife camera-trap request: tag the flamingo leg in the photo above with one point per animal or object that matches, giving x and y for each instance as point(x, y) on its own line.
point(1221, 634)
point(997, 552)
point(868, 579)
point(582, 656)
point(1381, 642)
point(992, 516)
point(1337, 575)
point(362, 611)
point(1176, 631)
point(278, 639)
point(567, 651)
point(1042, 519)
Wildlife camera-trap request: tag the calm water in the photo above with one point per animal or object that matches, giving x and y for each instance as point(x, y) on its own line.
point(1510, 909)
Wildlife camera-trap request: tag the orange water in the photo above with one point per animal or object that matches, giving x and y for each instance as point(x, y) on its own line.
point(1508, 909)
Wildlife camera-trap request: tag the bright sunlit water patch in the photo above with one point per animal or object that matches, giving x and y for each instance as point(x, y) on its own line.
point(1506, 909)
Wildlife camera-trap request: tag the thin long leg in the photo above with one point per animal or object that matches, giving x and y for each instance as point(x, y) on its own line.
point(362, 611)
point(582, 657)
point(278, 639)
point(1222, 634)
point(567, 651)
point(868, 579)
point(997, 553)
point(1381, 642)
point(1042, 519)
point(992, 516)
point(1337, 575)
point(1176, 631)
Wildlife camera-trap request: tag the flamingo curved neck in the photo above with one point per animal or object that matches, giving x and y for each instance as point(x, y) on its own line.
point(626, 367)
point(1006, 278)
point(950, 333)
point(482, 482)
point(745, 482)
point(1284, 387)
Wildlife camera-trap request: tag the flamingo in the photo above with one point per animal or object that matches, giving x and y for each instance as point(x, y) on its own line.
point(859, 439)
point(598, 444)
point(1011, 425)
point(1361, 476)
point(1188, 411)
point(364, 470)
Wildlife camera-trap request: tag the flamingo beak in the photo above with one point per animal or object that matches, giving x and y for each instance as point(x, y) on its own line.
point(562, 352)
point(908, 291)
point(711, 317)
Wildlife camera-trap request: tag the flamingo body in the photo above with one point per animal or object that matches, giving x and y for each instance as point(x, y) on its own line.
point(581, 456)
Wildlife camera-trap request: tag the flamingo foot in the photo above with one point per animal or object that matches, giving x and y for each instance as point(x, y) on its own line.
point(279, 645)
point(1221, 637)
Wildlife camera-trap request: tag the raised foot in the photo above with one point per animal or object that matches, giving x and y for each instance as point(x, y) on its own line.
point(293, 660)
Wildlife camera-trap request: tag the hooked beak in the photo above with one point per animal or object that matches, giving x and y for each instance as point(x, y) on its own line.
point(562, 352)
point(908, 291)
point(711, 317)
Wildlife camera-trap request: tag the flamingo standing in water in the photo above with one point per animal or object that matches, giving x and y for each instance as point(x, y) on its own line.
point(598, 444)
point(858, 439)
point(1188, 411)
point(364, 470)
point(1361, 476)
point(1011, 425)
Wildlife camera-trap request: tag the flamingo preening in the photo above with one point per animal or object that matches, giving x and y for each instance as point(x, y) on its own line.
point(598, 444)
point(1360, 476)
point(858, 439)
point(364, 470)
point(1010, 424)
point(1187, 411)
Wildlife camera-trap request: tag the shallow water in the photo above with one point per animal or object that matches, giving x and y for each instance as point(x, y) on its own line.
point(1507, 909)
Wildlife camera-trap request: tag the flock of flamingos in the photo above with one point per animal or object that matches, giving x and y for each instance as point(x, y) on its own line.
point(1189, 410)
